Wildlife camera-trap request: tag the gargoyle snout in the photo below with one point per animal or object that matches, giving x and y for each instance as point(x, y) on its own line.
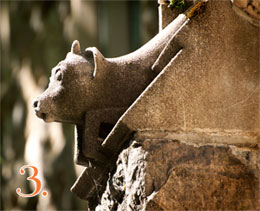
point(35, 103)
point(38, 110)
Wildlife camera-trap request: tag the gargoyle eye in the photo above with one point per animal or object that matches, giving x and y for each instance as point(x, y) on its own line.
point(58, 74)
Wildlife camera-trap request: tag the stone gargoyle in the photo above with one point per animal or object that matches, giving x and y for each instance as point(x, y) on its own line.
point(92, 92)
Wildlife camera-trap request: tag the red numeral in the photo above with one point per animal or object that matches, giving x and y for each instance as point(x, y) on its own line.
point(37, 182)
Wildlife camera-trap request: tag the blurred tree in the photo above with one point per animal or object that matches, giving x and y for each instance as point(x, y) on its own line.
point(34, 37)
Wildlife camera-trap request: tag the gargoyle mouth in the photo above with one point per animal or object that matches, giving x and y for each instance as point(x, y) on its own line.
point(41, 115)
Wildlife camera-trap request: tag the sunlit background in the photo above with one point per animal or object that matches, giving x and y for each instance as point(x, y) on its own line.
point(35, 36)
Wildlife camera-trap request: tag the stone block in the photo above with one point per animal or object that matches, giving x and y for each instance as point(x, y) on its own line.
point(211, 84)
point(170, 174)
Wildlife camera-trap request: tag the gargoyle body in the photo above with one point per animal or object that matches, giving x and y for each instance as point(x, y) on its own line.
point(92, 92)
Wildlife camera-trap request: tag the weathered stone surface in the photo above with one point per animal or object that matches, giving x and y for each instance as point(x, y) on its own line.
point(126, 187)
point(248, 9)
point(167, 174)
point(212, 83)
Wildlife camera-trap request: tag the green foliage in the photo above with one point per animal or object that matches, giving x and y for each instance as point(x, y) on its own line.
point(178, 4)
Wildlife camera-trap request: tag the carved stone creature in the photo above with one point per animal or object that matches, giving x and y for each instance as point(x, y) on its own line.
point(92, 92)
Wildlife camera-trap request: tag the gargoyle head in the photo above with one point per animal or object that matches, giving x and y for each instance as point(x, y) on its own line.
point(73, 88)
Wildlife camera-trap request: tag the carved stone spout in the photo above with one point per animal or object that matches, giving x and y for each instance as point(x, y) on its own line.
point(92, 92)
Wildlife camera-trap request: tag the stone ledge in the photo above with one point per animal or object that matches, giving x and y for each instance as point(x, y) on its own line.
point(200, 137)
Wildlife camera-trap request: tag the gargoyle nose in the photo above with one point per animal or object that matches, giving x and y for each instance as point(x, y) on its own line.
point(35, 104)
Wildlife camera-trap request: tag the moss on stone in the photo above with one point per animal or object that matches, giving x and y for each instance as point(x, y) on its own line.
point(198, 8)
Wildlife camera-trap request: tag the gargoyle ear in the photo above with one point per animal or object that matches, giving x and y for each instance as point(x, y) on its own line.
point(75, 47)
point(96, 58)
